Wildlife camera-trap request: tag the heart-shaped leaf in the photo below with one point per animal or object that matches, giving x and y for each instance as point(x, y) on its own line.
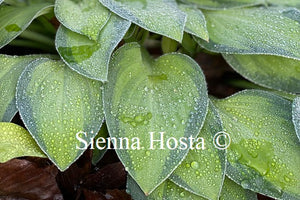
point(296, 115)
point(158, 16)
point(195, 23)
point(16, 142)
point(86, 17)
point(14, 20)
point(11, 68)
point(147, 99)
point(202, 171)
point(62, 110)
point(254, 31)
point(264, 152)
point(270, 71)
point(165, 191)
point(223, 4)
point(87, 57)
point(231, 191)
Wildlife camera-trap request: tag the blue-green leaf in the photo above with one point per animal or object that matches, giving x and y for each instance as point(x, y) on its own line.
point(264, 151)
point(14, 20)
point(88, 57)
point(159, 16)
point(11, 68)
point(145, 97)
point(270, 71)
point(59, 106)
point(202, 171)
point(296, 115)
point(223, 4)
point(16, 142)
point(254, 31)
point(86, 17)
point(290, 3)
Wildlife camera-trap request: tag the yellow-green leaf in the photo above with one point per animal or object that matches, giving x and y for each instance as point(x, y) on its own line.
point(16, 142)
point(195, 23)
point(11, 68)
point(264, 154)
point(231, 191)
point(88, 57)
point(202, 171)
point(86, 17)
point(14, 20)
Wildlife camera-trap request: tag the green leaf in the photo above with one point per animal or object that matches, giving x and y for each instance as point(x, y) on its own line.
point(87, 57)
point(231, 191)
point(291, 3)
point(264, 151)
point(86, 17)
point(223, 4)
point(253, 31)
point(145, 96)
point(11, 68)
point(202, 171)
point(269, 71)
point(55, 104)
point(14, 20)
point(16, 142)
point(244, 84)
point(98, 153)
point(165, 191)
point(296, 115)
point(158, 16)
point(195, 24)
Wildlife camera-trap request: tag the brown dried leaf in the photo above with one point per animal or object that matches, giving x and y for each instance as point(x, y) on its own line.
point(112, 176)
point(24, 179)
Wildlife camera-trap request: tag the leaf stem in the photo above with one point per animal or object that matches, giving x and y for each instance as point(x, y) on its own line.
point(37, 37)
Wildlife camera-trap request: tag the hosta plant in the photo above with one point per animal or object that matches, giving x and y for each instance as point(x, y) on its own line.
point(129, 67)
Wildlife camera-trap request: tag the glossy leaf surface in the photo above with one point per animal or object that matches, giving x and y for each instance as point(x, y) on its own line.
point(55, 104)
point(140, 98)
